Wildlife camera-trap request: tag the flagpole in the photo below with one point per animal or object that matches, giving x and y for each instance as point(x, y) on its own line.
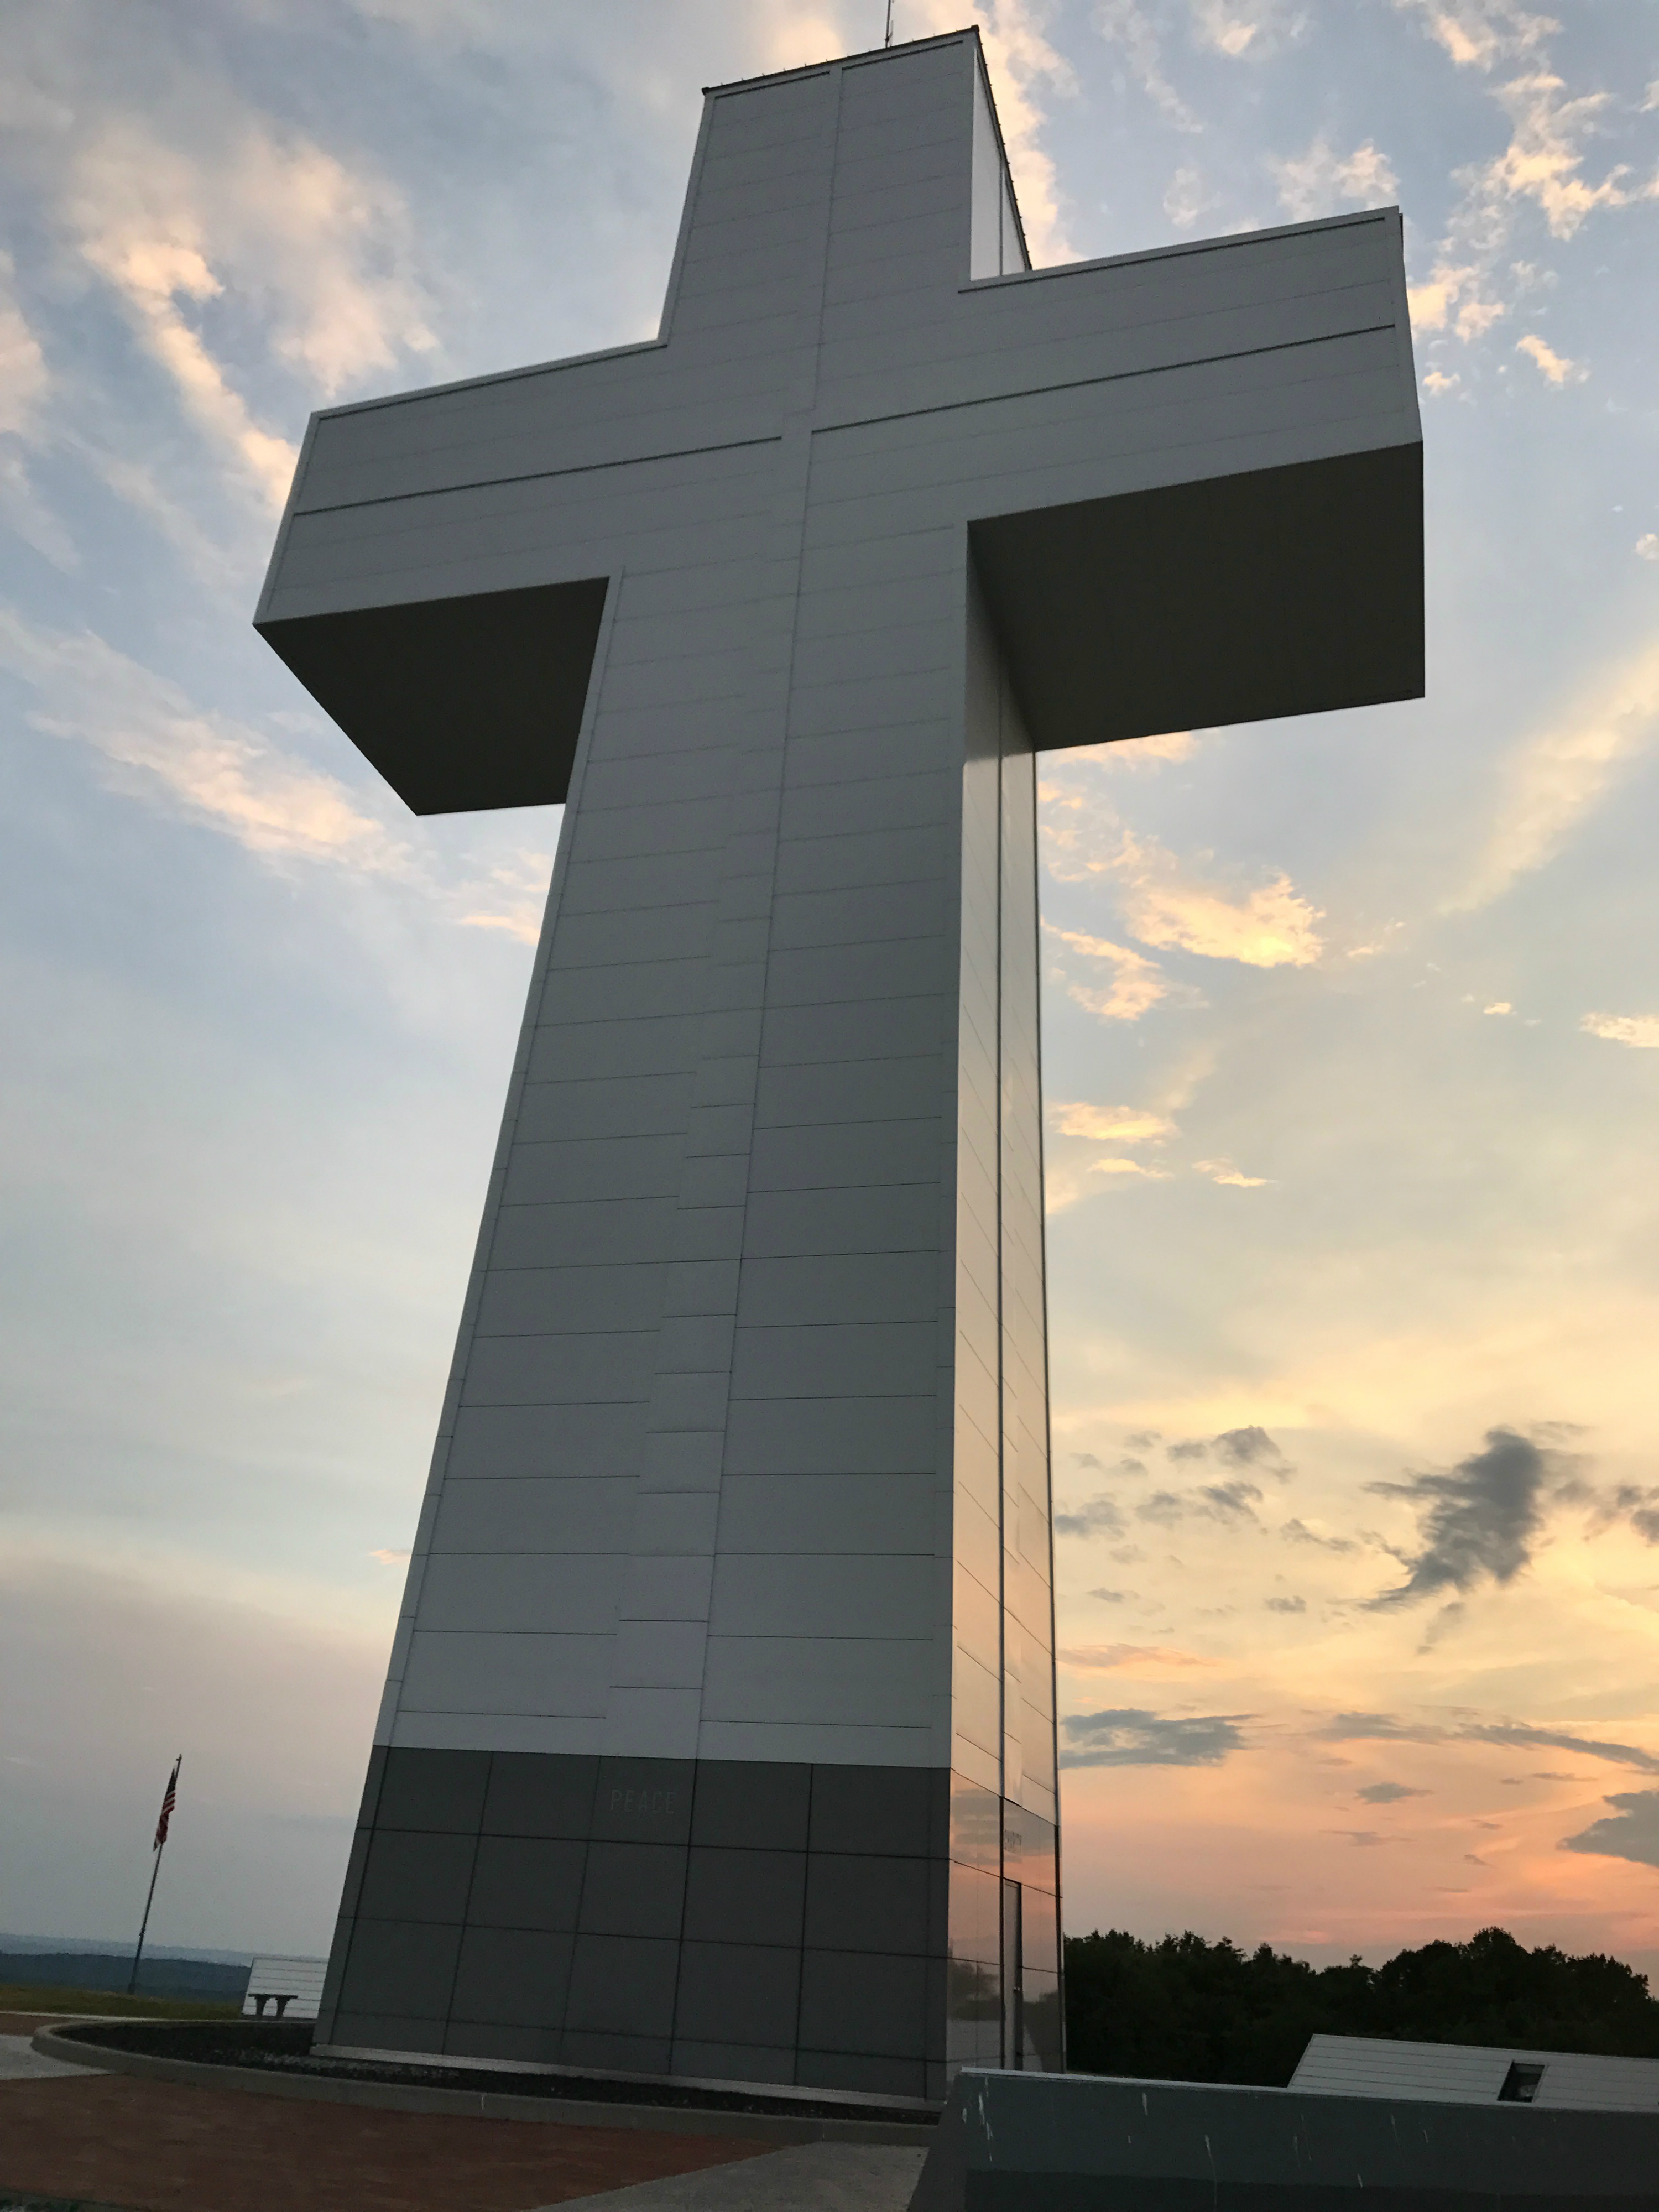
point(161, 1845)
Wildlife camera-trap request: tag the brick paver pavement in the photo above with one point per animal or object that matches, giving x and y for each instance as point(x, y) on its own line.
point(114, 2140)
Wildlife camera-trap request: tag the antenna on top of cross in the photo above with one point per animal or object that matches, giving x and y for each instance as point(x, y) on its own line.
point(169, 1799)
point(888, 40)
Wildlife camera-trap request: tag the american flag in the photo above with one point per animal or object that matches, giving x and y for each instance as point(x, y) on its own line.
point(170, 1798)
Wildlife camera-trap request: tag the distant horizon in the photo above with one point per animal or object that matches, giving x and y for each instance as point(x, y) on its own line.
point(76, 1946)
point(69, 1946)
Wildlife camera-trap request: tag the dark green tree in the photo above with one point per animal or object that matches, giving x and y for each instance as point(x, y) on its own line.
point(1183, 2010)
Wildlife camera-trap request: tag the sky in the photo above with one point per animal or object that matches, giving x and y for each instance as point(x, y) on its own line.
point(1351, 1023)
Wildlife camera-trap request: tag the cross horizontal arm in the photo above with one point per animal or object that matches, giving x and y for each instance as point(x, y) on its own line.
point(1191, 479)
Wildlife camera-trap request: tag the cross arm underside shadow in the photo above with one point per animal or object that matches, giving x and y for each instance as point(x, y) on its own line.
point(1237, 599)
point(462, 704)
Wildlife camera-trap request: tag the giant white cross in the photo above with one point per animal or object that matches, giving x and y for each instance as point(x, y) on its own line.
point(719, 1732)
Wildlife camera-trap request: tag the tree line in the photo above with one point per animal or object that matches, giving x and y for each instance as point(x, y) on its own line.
point(1182, 2009)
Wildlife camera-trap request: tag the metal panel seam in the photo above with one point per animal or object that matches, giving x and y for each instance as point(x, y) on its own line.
point(1113, 376)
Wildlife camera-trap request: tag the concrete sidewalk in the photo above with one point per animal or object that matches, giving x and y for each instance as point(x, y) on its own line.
point(20, 2062)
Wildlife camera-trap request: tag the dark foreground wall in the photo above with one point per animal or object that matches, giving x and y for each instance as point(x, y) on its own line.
point(1085, 2143)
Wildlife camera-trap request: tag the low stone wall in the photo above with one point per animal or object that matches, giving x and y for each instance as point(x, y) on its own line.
point(1087, 2144)
point(271, 2059)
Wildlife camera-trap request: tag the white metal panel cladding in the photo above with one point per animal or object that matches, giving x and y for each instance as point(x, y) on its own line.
point(742, 1469)
point(769, 1202)
point(1474, 2073)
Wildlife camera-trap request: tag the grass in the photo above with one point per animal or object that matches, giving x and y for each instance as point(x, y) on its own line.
point(50, 1997)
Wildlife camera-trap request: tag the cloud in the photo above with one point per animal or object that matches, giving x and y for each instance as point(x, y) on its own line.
point(1437, 382)
point(1630, 1831)
point(1449, 1617)
point(1248, 1447)
point(1107, 1658)
point(1365, 1839)
point(1298, 1532)
point(1227, 29)
point(1479, 33)
point(1388, 1793)
point(1132, 1737)
point(1134, 752)
point(209, 768)
point(1098, 1517)
point(1137, 984)
point(389, 1556)
point(1285, 1604)
point(1641, 1031)
point(1366, 1728)
point(1224, 1171)
point(1129, 28)
point(1322, 180)
point(1632, 1502)
point(518, 884)
point(1549, 783)
point(1024, 69)
point(1271, 926)
point(1478, 1522)
point(1513, 1733)
point(1542, 160)
point(1232, 1503)
point(153, 280)
point(1185, 199)
point(1647, 546)
point(319, 253)
point(23, 377)
point(1555, 367)
point(1388, 1728)
point(1498, 1006)
point(1110, 1125)
point(1126, 1167)
point(25, 384)
point(524, 927)
point(1251, 1447)
point(1112, 1596)
point(157, 744)
point(33, 521)
point(1539, 170)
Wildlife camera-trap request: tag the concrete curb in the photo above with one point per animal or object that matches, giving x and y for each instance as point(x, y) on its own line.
point(478, 2104)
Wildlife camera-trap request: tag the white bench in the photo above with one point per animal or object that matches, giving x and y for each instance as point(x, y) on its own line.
point(291, 1988)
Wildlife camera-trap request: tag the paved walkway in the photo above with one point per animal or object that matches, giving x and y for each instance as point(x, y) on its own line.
point(807, 2177)
point(20, 2062)
point(114, 2141)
